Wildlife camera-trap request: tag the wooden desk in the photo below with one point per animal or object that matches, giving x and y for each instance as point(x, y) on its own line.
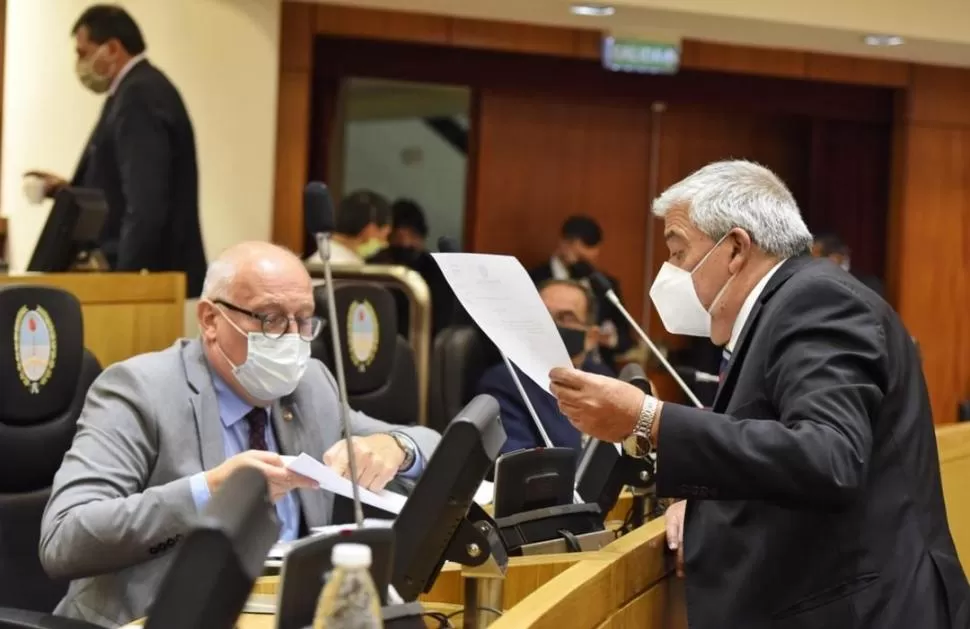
point(125, 314)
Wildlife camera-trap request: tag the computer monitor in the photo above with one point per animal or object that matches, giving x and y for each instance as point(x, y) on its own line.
point(526, 480)
point(214, 571)
point(604, 471)
point(72, 229)
point(440, 520)
point(302, 574)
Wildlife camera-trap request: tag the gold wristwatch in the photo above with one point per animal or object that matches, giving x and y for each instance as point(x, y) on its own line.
point(639, 445)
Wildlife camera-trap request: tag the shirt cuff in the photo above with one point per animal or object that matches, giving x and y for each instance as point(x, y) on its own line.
point(417, 465)
point(200, 490)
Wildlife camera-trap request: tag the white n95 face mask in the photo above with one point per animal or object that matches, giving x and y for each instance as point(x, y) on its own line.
point(675, 298)
point(273, 367)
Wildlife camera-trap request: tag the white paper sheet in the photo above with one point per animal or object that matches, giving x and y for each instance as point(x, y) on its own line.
point(331, 481)
point(498, 294)
point(485, 494)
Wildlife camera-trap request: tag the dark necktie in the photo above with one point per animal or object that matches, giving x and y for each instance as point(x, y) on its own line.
point(256, 419)
point(722, 370)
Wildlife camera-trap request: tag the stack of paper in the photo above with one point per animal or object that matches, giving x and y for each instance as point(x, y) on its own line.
point(334, 482)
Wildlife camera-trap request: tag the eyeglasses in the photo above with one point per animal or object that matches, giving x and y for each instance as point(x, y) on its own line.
point(276, 325)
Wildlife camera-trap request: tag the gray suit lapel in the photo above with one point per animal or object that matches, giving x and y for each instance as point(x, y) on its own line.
point(292, 431)
point(205, 405)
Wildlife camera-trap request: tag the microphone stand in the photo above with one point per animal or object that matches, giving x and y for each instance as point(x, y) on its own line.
point(532, 412)
point(653, 348)
point(323, 246)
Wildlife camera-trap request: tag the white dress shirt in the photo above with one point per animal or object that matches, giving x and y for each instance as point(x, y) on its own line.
point(748, 306)
point(339, 254)
point(124, 71)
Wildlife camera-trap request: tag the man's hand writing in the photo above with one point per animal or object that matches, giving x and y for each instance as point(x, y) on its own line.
point(281, 480)
point(378, 459)
point(599, 406)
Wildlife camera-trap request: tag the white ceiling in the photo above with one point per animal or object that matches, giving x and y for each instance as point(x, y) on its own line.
point(936, 31)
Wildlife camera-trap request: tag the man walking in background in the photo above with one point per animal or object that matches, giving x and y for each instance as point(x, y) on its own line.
point(141, 153)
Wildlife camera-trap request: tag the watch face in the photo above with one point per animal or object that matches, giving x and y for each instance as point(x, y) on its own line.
point(630, 445)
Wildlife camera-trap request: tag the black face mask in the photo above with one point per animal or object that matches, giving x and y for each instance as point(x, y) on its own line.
point(575, 340)
point(581, 269)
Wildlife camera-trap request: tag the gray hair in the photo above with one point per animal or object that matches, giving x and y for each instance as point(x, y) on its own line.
point(218, 279)
point(739, 193)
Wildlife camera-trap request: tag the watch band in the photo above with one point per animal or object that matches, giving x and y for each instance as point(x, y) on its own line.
point(640, 444)
point(407, 446)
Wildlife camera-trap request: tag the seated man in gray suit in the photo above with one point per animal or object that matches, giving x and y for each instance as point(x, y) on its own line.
point(160, 432)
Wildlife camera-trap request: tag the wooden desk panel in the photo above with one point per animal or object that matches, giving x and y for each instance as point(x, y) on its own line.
point(125, 314)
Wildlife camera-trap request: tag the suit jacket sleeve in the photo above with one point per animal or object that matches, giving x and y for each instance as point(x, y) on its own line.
point(811, 442)
point(362, 425)
point(100, 517)
point(143, 147)
point(519, 431)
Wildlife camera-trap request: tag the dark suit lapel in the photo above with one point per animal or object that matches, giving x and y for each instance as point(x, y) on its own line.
point(782, 275)
point(205, 405)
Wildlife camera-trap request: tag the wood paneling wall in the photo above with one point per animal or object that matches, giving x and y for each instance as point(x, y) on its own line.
point(540, 160)
point(929, 241)
point(823, 157)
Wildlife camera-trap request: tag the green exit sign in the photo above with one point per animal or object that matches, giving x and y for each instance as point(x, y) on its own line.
point(631, 55)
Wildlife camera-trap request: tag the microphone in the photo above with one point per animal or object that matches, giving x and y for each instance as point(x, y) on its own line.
point(634, 374)
point(447, 244)
point(318, 214)
point(605, 287)
point(319, 217)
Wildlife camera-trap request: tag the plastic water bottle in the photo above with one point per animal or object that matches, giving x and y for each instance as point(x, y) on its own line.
point(349, 599)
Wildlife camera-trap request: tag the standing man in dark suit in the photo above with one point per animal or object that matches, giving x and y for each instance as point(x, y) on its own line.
point(813, 485)
point(141, 153)
point(573, 308)
point(575, 258)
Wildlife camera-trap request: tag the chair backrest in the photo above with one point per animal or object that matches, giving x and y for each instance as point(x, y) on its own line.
point(45, 373)
point(460, 356)
point(379, 363)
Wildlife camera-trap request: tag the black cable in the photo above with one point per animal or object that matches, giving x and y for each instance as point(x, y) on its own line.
point(572, 543)
point(443, 620)
point(480, 608)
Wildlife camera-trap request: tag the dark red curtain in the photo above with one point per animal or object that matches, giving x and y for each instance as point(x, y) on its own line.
point(849, 188)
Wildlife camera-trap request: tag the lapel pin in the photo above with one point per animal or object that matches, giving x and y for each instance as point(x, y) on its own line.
point(287, 415)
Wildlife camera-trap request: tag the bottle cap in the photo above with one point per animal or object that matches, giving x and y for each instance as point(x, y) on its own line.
point(351, 556)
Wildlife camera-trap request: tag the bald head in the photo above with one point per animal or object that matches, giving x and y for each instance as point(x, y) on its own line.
point(250, 283)
point(250, 267)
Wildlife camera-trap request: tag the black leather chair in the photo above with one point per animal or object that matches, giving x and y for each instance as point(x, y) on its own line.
point(378, 362)
point(460, 356)
point(45, 373)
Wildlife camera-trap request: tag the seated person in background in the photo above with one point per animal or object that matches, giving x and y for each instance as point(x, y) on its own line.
point(573, 308)
point(834, 248)
point(160, 432)
point(409, 231)
point(575, 258)
point(361, 226)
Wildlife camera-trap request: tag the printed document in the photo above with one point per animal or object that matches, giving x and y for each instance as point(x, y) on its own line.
point(500, 297)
